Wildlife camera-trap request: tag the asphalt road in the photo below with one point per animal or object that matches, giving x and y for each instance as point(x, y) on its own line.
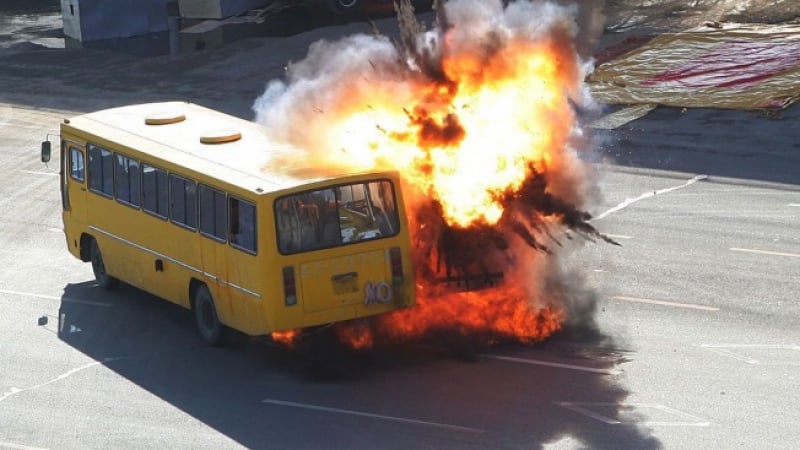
point(686, 336)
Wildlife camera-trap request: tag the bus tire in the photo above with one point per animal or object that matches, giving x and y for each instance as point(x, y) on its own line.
point(104, 280)
point(205, 316)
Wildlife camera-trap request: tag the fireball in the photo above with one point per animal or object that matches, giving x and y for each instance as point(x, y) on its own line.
point(478, 116)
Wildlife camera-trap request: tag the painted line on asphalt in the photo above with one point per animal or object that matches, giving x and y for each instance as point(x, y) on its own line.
point(732, 351)
point(648, 194)
point(14, 391)
point(538, 362)
point(374, 416)
point(665, 303)
point(585, 408)
point(39, 172)
point(19, 125)
point(764, 252)
point(795, 204)
point(619, 236)
point(53, 297)
point(13, 446)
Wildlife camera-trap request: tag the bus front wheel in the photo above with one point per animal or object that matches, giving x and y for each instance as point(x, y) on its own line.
point(104, 280)
point(205, 315)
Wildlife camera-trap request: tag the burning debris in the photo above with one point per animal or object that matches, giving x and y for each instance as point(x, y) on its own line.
point(477, 114)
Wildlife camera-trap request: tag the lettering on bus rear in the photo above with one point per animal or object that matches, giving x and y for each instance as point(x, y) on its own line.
point(335, 216)
point(377, 293)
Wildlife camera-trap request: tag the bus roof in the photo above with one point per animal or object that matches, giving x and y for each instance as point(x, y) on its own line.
point(222, 146)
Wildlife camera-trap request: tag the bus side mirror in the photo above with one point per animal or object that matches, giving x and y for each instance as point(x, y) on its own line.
point(46, 151)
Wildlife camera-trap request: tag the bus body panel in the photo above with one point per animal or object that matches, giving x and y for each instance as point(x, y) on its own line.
point(346, 280)
point(169, 258)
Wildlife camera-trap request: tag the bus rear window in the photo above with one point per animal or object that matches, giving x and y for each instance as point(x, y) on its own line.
point(335, 216)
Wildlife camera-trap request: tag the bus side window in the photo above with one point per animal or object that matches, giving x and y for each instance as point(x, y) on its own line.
point(76, 170)
point(183, 201)
point(155, 192)
point(101, 170)
point(126, 180)
point(213, 221)
point(242, 222)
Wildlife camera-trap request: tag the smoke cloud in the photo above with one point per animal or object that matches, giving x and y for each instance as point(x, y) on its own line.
point(372, 102)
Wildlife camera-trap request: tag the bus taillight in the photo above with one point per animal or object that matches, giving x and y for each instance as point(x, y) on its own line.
point(289, 286)
point(396, 261)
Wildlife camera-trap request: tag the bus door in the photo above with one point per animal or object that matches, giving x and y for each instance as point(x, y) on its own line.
point(73, 191)
point(343, 218)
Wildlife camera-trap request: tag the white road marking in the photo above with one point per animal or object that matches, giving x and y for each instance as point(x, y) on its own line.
point(619, 236)
point(665, 303)
point(53, 297)
point(15, 391)
point(39, 172)
point(727, 350)
point(19, 446)
point(795, 204)
point(19, 125)
point(630, 201)
point(537, 362)
point(764, 252)
point(583, 408)
point(374, 416)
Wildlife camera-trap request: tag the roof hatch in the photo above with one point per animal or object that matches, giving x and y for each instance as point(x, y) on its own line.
point(220, 136)
point(164, 118)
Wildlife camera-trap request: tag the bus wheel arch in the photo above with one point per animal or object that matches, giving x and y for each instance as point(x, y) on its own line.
point(86, 246)
point(104, 280)
point(205, 313)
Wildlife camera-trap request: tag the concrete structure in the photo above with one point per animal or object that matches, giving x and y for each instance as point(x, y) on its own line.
point(91, 20)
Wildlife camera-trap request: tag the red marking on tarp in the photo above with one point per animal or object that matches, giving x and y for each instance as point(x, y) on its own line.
point(733, 64)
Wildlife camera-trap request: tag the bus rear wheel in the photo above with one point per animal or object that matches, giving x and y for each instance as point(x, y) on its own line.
point(104, 280)
point(205, 316)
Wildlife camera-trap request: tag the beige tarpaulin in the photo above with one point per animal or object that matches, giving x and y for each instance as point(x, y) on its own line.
point(739, 66)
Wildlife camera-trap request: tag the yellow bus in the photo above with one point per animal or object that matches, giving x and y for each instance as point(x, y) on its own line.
point(189, 204)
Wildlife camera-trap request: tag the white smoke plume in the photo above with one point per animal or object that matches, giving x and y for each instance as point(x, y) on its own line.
point(341, 76)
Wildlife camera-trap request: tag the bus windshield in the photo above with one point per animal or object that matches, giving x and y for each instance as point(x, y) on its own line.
point(336, 215)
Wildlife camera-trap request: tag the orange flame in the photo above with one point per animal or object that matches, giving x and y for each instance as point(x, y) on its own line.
point(287, 338)
point(466, 143)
